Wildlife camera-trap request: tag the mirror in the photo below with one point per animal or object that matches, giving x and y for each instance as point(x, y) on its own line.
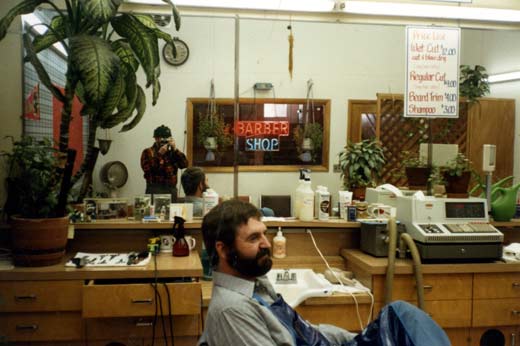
point(345, 61)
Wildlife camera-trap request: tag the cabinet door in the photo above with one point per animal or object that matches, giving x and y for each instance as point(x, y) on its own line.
point(492, 121)
point(126, 300)
point(496, 285)
point(41, 326)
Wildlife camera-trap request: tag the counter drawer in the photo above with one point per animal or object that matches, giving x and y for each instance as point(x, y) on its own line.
point(135, 300)
point(141, 327)
point(496, 312)
point(496, 285)
point(30, 296)
point(436, 287)
point(42, 326)
point(447, 313)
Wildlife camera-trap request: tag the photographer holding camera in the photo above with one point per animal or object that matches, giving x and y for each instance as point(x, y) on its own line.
point(161, 162)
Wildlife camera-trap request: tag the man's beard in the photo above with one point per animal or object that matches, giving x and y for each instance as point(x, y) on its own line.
point(250, 267)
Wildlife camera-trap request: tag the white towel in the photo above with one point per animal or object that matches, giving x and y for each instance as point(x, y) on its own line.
point(511, 253)
point(107, 260)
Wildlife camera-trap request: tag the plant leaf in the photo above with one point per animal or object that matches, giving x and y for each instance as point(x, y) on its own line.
point(143, 42)
point(96, 65)
point(100, 11)
point(24, 7)
point(176, 14)
point(112, 98)
point(49, 38)
point(140, 106)
point(125, 53)
point(40, 70)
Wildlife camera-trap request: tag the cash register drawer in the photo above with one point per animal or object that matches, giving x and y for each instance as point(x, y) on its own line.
point(30, 296)
point(497, 285)
point(126, 300)
point(436, 287)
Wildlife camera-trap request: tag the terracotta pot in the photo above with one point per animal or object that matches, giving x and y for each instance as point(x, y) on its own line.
point(38, 242)
point(457, 187)
point(359, 193)
point(417, 177)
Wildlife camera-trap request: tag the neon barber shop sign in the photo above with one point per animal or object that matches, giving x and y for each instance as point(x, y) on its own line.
point(262, 135)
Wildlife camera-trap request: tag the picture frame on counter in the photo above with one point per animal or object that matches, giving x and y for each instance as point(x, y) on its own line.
point(106, 209)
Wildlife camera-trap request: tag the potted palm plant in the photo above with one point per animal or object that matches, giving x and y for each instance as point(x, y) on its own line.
point(101, 71)
point(361, 164)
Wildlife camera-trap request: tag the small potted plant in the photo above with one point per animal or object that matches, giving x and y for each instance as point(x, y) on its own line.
point(309, 140)
point(361, 164)
point(457, 175)
point(416, 169)
point(38, 234)
point(213, 133)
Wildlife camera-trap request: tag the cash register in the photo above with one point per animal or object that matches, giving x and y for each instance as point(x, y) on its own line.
point(450, 228)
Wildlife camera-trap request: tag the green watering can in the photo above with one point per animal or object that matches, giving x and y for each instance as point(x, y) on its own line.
point(503, 202)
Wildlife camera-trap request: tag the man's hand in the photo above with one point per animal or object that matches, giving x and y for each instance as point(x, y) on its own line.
point(171, 144)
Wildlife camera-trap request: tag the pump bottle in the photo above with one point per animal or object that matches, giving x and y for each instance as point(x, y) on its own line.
point(307, 201)
point(279, 245)
point(296, 205)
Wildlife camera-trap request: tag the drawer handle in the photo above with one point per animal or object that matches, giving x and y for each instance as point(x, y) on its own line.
point(515, 312)
point(144, 324)
point(516, 285)
point(142, 301)
point(25, 298)
point(32, 327)
point(428, 287)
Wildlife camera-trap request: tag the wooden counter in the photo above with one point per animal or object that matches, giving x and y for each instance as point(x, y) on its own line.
point(196, 223)
point(168, 266)
point(377, 265)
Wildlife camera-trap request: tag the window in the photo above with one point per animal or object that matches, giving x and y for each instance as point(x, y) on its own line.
point(280, 135)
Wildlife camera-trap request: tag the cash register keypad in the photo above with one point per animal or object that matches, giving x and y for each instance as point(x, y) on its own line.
point(470, 228)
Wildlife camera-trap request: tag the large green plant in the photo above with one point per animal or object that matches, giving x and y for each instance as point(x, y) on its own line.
point(361, 163)
point(32, 182)
point(101, 66)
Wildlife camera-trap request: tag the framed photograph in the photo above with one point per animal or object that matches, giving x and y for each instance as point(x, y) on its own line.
point(142, 206)
point(161, 205)
point(90, 209)
point(112, 209)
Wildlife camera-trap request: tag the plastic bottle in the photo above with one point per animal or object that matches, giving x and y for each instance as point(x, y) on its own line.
point(307, 201)
point(323, 203)
point(279, 245)
point(297, 194)
point(209, 200)
point(319, 189)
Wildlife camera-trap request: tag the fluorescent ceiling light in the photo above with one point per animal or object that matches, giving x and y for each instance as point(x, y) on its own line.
point(36, 24)
point(431, 11)
point(504, 77)
point(263, 5)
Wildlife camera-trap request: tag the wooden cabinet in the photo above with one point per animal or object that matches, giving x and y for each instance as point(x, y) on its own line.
point(470, 301)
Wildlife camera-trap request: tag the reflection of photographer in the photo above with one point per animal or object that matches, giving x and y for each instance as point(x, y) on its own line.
point(161, 162)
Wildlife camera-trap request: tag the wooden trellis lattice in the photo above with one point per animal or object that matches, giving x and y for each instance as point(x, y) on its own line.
point(398, 134)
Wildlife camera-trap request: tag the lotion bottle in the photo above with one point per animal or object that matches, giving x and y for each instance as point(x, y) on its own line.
point(279, 245)
point(307, 202)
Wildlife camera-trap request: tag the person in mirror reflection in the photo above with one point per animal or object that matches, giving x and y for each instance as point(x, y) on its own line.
point(194, 182)
point(161, 162)
point(245, 310)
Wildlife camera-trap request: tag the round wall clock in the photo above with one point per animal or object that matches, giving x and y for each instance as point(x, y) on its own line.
point(183, 52)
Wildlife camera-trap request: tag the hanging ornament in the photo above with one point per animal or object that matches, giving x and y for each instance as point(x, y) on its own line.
point(291, 46)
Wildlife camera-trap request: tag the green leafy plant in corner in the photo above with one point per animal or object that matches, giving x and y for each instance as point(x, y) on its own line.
point(213, 125)
point(33, 183)
point(361, 163)
point(473, 82)
point(101, 66)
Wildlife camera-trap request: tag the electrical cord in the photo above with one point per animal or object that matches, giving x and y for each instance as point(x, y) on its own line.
point(170, 317)
point(341, 283)
point(158, 301)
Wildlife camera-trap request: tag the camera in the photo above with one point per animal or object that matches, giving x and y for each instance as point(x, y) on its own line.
point(164, 141)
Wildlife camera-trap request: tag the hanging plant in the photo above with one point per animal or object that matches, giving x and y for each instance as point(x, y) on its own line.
point(473, 82)
point(213, 125)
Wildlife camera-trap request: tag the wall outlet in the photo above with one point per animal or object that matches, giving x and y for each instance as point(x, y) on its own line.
point(336, 168)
